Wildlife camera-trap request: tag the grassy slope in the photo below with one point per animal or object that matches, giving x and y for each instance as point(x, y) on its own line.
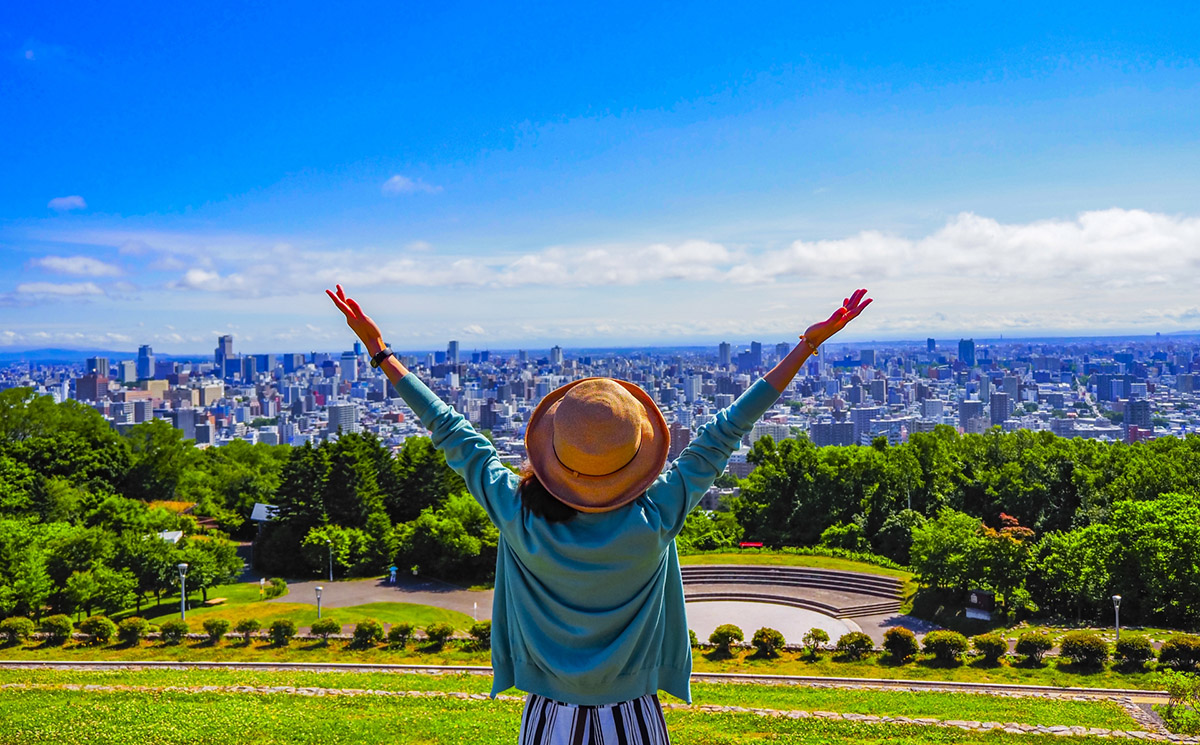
point(919, 704)
point(60, 716)
point(242, 601)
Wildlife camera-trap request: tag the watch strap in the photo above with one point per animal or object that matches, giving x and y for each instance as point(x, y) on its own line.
point(382, 355)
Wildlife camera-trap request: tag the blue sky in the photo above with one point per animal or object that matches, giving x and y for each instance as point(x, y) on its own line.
point(615, 175)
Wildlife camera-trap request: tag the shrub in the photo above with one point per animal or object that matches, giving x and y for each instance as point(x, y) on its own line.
point(855, 645)
point(282, 631)
point(1084, 648)
point(399, 634)
point(990, 646)
point(215, 628)
point(481, 632)
point(1180, 651)
point(173, 631)
point(100, 629)
point(692, 639)
point(323, 627)
point(439, 633)
point(246, 627)
point(813, 641)
point(132, 630)
point(367, 632)
point(724, 636)
point(57, 628)
point(945, 646)
point(1134, 649)
point(16, 629)
point(767, 642)
point(900, 644)
point(1182, 712)
point(275, 587)
point(1033, 645)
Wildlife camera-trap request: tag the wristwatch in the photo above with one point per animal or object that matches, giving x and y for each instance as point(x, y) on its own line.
point(811, 347)
point(378, 359)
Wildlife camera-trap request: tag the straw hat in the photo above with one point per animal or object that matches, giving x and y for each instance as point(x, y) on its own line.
point(597, 443)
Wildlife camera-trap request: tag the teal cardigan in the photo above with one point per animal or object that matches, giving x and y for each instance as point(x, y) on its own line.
point(589, 611)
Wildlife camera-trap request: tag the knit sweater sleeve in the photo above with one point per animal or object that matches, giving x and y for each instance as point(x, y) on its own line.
point(681, 488)
point(468, 453)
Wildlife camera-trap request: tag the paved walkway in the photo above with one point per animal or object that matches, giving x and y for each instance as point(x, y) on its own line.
point(417, 590)
point(478, 603)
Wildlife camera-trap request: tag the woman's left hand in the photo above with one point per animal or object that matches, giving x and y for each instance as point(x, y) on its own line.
point(818, 333)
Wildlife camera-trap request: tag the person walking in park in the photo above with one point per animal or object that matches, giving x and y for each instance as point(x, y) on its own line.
point(588, 612)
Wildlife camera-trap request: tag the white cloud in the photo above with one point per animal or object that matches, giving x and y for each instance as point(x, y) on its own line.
point(80, 266)
point(404, 185)
point(63, 204)
point(65, 289)
point(473, 329)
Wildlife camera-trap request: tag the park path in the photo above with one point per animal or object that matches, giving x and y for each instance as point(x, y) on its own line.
point(417, 590)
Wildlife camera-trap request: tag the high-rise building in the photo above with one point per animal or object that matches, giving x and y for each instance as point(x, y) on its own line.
point(223, 351)
point(861, 419)
point(968, 410)
point(681, 437)
point(97, 366)
point(556, 356)
point(343, 417)
point(782, 349)
point(91, 387)
point(831, 433)
point(930, 345)
point(866, 357)
point(723, 357)
point(127, 371)
point(756, 353)
point(1185, 383)
point(1137, 414)
point(1012, 387)
point(879, 390)
point(966, 351)
point(349, 367)
point(1001, 407)
point(145, 362)
point(452, 353)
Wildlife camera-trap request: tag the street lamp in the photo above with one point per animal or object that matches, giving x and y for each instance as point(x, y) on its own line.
point(329, 543)
point(183, 591)
point(319, 588)
point(1117, 612)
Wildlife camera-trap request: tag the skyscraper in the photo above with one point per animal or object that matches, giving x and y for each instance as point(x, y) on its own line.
point(866, 357)
point(723, 357)
point(452, 353)
point(223, 351)
point(349, 366)
point(98, 366)
point(966, 351)
point(930, 345)
point(145, 362)
point(756, 353)
point(556, 356)
point(1001, 407)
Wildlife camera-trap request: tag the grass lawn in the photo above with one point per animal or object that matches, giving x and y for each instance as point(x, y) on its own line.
point(242, 601)
point(938, 705)
point(48, 716)
point(1053, 672)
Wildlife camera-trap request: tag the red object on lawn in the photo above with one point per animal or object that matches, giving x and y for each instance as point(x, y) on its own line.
point(748, 544)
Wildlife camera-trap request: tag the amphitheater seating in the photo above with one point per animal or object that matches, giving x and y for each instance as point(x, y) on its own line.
point(838, 594)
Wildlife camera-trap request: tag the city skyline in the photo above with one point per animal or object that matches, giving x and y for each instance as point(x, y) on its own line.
point(566, 176)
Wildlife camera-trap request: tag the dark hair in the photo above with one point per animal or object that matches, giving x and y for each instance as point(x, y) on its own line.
point(536, 498)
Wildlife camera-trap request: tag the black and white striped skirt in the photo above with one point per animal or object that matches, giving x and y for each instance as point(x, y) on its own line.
point(636, 722)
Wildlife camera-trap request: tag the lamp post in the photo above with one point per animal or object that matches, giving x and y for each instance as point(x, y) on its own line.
point(329, 543)
point(183, 591)
point(319, 588)
point(1117, 612)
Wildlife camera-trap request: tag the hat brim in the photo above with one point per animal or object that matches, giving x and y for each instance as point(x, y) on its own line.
point(597, 493)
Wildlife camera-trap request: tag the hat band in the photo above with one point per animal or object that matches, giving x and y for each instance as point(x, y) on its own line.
point(577, 474)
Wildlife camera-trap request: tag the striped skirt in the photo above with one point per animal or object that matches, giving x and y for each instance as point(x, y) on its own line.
point(636, 722)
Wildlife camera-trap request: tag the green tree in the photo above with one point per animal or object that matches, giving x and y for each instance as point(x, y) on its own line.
point(419, 479)
point(456, 541)
point(946, 551)
point(159, 458)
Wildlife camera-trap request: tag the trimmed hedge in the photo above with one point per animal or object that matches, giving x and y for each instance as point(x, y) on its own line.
point(1180, 651)
point(323, 627)
point(99, 629)
point(1083, 648)
point(439, 633)
point(1034, 645)
point(813, 640)
point(173, 631)
point(947, 647)
point(725, 636)
point(855, 645)
point(57, 628)
point(1134, 649)
point(215, 628)
point(767, 641)
point(367, 632)
point(481, 632)
point(246, 627)
point(900, 644)
point(399, 634)
point(16, 629)
point(282, 631)
point(990, 646)
point(132, 630)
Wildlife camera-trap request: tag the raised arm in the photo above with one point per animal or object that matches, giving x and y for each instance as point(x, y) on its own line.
point(812, 339)
point(469, 453)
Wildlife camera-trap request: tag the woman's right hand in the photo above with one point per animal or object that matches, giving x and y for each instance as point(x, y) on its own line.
point(358, 321)
point(818, 333)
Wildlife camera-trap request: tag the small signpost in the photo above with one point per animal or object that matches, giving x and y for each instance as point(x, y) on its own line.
point(980, 604)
